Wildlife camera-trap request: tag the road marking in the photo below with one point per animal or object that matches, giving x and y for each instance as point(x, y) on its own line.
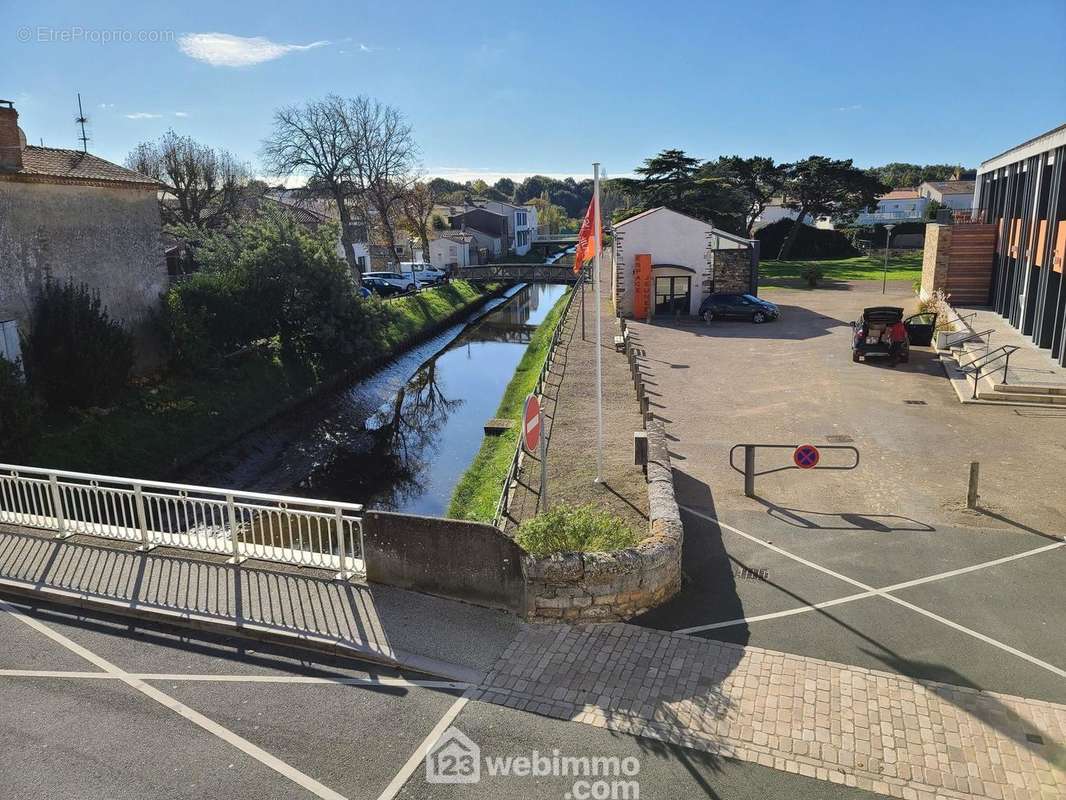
point(882, 593)
point(417, 757)
point(208, 677)
point(209, 725)
point(862, 595)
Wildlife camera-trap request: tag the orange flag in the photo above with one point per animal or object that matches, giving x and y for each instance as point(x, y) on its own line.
point(586, 239)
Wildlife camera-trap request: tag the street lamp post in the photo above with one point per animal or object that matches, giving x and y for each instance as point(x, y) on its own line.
point(884, 272)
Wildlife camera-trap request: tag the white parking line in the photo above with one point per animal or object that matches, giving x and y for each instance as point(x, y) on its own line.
point(209, 725)
point(416, 759)
point(208, 677)
point(883, 593)
point(862, 595)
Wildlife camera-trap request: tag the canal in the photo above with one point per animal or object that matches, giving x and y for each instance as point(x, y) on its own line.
point(401, 438)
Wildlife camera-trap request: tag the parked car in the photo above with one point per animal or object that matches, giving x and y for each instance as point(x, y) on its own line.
point(380, 287)
point(426, 273)
point(737, 306)
point(405, 283)
point(871, 339)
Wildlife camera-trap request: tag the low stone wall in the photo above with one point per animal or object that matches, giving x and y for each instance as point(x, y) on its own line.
point(599, 587)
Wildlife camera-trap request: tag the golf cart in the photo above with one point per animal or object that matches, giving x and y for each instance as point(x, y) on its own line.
point(871, 336)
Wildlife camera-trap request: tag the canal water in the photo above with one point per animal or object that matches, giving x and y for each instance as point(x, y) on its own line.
point(401, 438)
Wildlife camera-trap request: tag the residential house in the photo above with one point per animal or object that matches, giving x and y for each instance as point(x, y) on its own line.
point(521, 223)
point(775, 211)
point(453, 249)
point(490, 229)
point(665, 262)
point(70, 214)
point(956, 195)
point(899, 205)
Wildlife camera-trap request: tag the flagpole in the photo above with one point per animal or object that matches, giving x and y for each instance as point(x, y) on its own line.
point(599, 344)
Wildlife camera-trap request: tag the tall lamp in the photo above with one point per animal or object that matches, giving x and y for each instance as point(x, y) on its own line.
point(884, 272)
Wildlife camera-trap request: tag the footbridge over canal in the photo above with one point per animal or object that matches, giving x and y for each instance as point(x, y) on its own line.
point(526, 273)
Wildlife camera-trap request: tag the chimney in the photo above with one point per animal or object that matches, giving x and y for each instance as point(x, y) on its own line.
point(12, 139)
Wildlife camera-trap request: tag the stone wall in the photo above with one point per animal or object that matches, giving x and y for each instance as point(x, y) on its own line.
point(107, 237)
point(731, 270)
point(598, 587)
point(935, 259)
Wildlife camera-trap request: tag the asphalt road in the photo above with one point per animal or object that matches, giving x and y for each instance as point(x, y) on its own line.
point(102, 708)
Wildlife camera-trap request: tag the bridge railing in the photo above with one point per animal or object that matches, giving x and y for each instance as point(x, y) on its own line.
point(290, 530)
point(519, 272)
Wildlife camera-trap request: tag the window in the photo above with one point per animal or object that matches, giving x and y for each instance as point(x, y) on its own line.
point(360, 262)
point(520, 218)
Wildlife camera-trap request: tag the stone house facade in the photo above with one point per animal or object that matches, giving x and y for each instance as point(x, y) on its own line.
point(69, 214)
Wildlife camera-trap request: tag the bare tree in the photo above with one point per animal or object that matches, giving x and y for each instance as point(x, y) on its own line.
point(203, 185)
point(418, 204)
point(315, 140)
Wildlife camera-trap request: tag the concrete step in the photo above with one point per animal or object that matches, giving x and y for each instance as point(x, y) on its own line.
point(1021, 397)
point(1030, 388)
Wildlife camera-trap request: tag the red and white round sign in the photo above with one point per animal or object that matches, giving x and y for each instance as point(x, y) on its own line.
point(531, 424)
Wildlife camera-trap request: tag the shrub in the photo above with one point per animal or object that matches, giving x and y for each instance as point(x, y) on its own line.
point(810, 242)
point(811, 273)
point(583, 529)
point(18, 414)
point(211, 314)
point(75, 354)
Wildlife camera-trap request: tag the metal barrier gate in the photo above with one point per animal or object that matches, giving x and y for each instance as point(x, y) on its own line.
point(804, 456)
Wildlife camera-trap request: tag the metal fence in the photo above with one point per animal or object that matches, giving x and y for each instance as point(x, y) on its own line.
point(290, 530)
point(549, 359)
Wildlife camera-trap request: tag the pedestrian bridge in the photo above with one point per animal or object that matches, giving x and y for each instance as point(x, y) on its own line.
point(526, 273)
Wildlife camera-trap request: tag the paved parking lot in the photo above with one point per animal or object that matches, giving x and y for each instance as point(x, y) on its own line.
point(97, 707)
point(815, 564)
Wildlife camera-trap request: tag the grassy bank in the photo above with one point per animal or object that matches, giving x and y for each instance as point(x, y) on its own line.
point(478, 491)
point(901, 267)
point(158, 426)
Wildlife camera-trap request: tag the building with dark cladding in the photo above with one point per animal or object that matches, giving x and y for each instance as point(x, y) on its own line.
point(1023, 193)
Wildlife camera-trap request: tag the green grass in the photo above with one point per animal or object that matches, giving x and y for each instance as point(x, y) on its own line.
point(587, 528)
point(478, 491)
point(157, 426)
point(901, 267)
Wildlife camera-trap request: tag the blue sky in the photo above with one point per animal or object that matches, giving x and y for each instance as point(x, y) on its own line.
point(548, 87)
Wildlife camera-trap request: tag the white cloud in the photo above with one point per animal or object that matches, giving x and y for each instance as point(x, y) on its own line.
point(107, 106)
point(142, 115)
point(227, 50)
point(853, 107)
point(181, 113)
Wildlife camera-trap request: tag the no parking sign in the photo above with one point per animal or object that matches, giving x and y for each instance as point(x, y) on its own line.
point(806, 456)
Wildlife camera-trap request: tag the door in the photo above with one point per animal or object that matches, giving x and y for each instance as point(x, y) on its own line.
point(920, 328)
point(672, 295)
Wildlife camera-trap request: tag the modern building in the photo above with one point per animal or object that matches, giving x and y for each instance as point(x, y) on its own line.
point(68, 214)
point(956, 195)
point(1022, 192)
point(677, 260)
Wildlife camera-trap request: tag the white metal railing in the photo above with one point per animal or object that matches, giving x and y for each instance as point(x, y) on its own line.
point(292, 530)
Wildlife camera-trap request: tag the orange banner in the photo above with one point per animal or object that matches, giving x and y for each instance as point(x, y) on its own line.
point(586, 238)
point(642, 285)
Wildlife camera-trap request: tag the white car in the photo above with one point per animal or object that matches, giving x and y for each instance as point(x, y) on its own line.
point(397, 279)
point(426, 273)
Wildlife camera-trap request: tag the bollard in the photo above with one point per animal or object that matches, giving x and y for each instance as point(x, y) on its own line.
point(640, 393)
point(644, 402)
point(640, 448)
point(749, 471)
point(971, 491)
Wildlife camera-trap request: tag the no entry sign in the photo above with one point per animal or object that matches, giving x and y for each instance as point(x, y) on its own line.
point(806, 456)
point(531, 425)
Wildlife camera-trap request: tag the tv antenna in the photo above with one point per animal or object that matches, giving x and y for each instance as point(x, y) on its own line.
point(81, 119)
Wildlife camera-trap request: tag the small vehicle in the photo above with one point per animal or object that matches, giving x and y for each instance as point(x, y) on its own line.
point(737, 306)
point(871, 337)
point(426, 273)
point(380, 287)
point(405, 283)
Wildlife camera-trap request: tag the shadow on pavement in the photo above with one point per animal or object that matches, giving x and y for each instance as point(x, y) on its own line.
point(828, 521)
point(796, 323)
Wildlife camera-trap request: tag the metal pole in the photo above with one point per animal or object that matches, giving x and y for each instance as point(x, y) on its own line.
point(749, 471)
point(599, 342)
point(884, 272)
point(581, 280)
point(543, 465)
point(971, 492)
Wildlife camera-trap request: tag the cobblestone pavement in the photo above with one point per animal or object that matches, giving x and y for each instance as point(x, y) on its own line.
point(874, 730)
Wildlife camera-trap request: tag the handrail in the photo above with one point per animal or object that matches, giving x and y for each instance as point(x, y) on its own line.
point(549, 358)
point(962, 319)
point(974, 370)
point(972, 336)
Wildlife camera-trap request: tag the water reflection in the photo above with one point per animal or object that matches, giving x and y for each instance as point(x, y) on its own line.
point(401, 438)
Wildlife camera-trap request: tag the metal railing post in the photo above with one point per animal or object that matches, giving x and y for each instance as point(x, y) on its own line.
point(142, 520)
point(342, 550)
point(1006, 366)
point(57, 507)
point(749, 470)
point(976, 380)
point(231, 515)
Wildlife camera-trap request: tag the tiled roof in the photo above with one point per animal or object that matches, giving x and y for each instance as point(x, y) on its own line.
point(953, 187)
point(901, 194)
point(74, 165)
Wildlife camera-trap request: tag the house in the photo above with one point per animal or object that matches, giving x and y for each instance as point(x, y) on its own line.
point(899, 205)
point(489, 228)
point(956, 195)
point(521, 223)
point(453, 249)
point(678, 260)
point(70, 214)
point(514, 225)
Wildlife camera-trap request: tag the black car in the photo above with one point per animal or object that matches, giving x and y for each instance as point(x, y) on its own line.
point(737, 306)
point(871, 337)
point(381, 287)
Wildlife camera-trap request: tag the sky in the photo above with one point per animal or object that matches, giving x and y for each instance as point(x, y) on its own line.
point(547, 87)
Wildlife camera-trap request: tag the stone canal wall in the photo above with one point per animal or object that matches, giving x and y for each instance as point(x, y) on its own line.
point(599, 587)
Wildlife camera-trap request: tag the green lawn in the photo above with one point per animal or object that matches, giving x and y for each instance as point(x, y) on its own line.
point(159, 425)
point(478, 491)
point(901, 267)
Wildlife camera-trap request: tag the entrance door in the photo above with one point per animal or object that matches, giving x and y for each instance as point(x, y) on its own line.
point(672, 295)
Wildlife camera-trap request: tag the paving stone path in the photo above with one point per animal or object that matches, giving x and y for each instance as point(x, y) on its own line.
point(875, 730)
